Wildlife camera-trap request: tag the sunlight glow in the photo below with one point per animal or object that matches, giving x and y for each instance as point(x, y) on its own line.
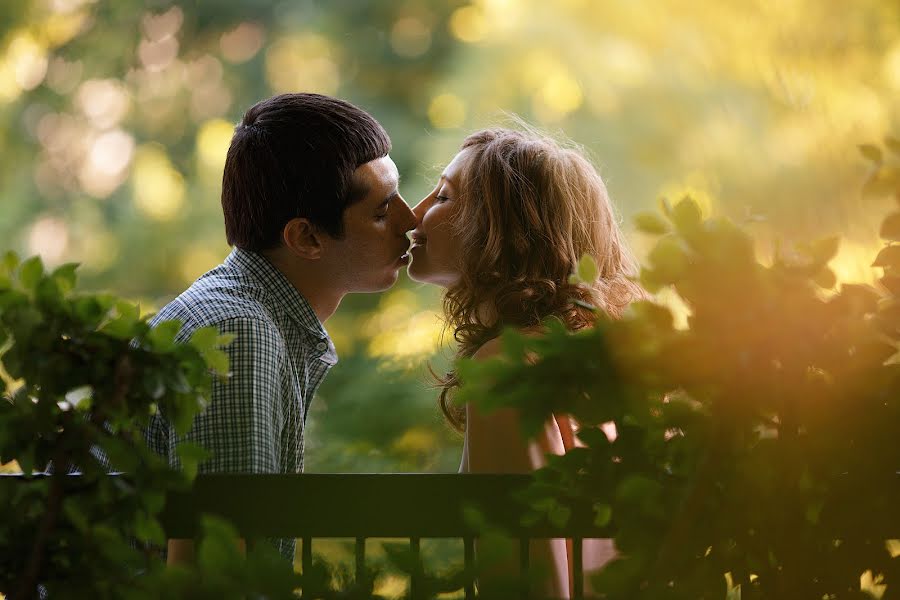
point(558, 96)
point(49, 237)
point(891, 66)
point(213, 139)
point(107, 161)
point(872, 584)
point(853, 262)
point(158, 187)
point(242, 43)
point(303, 62)
point(197, 260)
point(399, 330)
point(468, 24)
point(446, 111)
point(28, 59)
point(105, 102)
point(410, 37)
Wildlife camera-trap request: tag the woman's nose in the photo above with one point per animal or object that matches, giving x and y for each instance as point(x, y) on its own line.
point(420, 209)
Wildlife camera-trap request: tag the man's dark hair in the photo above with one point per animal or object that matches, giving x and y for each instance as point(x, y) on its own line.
point(292, 156)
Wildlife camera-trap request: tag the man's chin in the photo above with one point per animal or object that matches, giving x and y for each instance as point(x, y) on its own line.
point(385, 283)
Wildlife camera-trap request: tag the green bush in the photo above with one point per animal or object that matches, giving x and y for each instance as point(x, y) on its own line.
point(82, 374)
point(757, 446)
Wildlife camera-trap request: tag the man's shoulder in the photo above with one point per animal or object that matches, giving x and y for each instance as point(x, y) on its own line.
point(221, 299)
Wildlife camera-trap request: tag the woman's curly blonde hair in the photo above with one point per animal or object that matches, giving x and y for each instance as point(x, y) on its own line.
point(528, 210)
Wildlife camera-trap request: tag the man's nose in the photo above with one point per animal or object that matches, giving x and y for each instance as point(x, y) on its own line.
point(410, 220)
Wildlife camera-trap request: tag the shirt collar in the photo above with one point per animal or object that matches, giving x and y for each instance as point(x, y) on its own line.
point(279, 289)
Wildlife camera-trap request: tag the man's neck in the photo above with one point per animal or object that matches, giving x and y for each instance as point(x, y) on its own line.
point(311, 284)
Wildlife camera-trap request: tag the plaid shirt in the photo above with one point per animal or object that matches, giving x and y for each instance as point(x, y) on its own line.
point(280, 354)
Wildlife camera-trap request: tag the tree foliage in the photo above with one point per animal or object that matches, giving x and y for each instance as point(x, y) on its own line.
point(82, 374)
point(756, 446)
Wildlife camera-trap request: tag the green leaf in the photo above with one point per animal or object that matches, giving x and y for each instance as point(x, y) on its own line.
point(871, 152)
point(65, 276)
point(587, 269)
point(217, 360)
point(148, 529)
point(651, 223)
point(825, 279)
point(823, 250)
point(205, 338)
point(47, 292)
point(665, 206)
point(669, 259)
point(191, 455)
point(891, 283)
point(558, 515)
point(128, 311)
point(153, 501)
point(225, 339)
point(602, 514)
point(119, 328)
point(9, 263)
point(30, 272)
point(121, 456)
point(890, 227)
point(90, 310)
point(893, 144)
point(686, 215)
point(74, 514)
point(218, 546)
point(882, 181)
point(888, 257)
point(162, 336)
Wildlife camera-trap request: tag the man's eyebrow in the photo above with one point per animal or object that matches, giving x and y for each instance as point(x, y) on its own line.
point(390, 197)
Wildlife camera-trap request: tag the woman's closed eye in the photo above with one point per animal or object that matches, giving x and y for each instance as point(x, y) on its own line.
point(442, 198)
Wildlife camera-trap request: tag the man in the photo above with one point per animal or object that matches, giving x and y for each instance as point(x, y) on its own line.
point(311, 207)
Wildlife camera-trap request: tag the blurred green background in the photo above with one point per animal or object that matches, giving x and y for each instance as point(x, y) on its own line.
point(115, 117)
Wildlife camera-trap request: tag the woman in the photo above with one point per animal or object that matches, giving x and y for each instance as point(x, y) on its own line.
point(502, 231)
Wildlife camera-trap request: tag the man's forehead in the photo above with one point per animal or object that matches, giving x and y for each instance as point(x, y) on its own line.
point(377, 173)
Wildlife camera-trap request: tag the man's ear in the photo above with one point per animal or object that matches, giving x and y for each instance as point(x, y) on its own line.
point(303, 238)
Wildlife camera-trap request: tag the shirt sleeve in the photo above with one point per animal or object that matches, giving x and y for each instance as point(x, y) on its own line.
point(241, 425)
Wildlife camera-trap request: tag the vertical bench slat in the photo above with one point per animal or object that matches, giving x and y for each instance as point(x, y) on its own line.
point(306, 560)
point(469, 565)
point(525, 566)
point(577, 558)
point(360, 558)
point(414, 583)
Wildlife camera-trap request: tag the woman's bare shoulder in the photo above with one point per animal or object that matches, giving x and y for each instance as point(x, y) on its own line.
point(494, 346)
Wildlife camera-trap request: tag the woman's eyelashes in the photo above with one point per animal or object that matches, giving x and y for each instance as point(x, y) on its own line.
point(440, 198)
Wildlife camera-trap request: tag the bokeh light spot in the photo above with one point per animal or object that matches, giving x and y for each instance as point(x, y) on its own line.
point(561, 93)
point(158, 187)
point(446, 111)
point(468, 24)
point(29, 60)
point(105, 167)
point(213, 140)
point(197, 260)
point(410, 37)
point(242, 43)
point(891, 66)
point(105, 102)
point(49, 237)
point(302, 63)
